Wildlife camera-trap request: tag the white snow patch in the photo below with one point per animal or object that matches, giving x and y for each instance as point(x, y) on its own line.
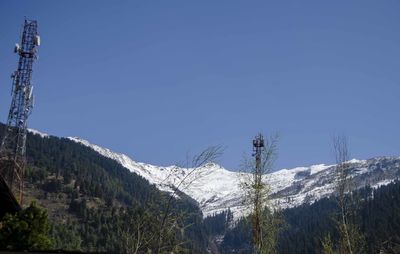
point(356, 161)
point(41, 134)
point(318, 168)
point(382, 183)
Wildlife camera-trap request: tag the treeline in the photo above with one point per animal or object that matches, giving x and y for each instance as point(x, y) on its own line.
point(377, 215)
point(95, 204)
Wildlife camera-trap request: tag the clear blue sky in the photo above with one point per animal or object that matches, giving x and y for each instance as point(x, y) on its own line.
point(156, 79)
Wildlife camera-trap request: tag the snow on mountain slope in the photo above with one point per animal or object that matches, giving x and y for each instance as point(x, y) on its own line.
point(36, 132)
point(212, 186)
point(217, 189)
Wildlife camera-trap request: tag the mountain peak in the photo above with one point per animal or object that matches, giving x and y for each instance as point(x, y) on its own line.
point(216, 189)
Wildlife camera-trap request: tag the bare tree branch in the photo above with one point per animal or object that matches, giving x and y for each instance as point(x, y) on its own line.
point(351, 240)
point(265, 223)
point(210, 154)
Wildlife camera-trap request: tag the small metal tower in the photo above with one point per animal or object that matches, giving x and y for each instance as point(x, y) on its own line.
point(258, 145)
point(13, 145)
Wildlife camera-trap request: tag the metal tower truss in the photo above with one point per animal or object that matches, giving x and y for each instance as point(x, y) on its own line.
point(258, 145)
point(13, 145)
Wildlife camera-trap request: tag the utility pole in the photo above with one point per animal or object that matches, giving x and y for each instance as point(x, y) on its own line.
point(13, 145)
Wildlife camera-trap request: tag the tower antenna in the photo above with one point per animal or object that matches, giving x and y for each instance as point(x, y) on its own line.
point(13, 144)
point(258, 147)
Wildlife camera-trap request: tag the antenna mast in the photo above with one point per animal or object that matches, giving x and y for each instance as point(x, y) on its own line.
point(13, 145)
point(258, 146)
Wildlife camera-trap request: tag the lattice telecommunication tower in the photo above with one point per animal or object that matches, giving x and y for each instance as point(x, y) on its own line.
point(13, 144)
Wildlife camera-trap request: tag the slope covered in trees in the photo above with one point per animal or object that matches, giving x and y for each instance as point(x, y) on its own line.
point(377, 215)
point(95, 204)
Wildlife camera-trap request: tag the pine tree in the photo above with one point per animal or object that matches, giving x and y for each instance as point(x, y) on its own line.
point(25, 230)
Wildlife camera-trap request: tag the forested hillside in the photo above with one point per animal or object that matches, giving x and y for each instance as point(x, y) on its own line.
point(377, 215)
point(95, 204)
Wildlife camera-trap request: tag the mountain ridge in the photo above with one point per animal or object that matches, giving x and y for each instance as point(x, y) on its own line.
point(217, 189)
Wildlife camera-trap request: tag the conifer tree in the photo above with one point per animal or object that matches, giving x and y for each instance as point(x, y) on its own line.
point(26, 230)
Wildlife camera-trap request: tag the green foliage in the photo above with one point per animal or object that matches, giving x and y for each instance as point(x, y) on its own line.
point(272, 225)
point(92, 199)
point(218, 224)
point(327, 245)
point(356, 239)
point(238, 238)
point(377, 217)
point(265, 226)
point(95, 203)
point(26, 230)
point(66, 236)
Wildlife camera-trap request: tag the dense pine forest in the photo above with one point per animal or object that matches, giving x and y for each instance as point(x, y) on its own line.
point(377, 214)
point(94, 204)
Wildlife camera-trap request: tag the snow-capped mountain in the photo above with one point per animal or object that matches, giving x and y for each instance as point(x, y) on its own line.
point(216, 189)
